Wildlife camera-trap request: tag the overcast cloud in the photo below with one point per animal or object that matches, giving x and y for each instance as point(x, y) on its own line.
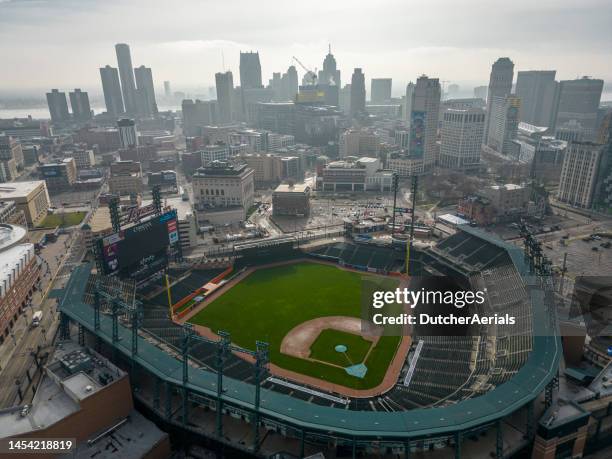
point(62, 43)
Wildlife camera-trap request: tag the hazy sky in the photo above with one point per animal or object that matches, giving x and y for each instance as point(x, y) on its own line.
point(62, 43)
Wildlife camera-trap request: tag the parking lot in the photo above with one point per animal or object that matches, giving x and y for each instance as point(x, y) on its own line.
point(327, 212)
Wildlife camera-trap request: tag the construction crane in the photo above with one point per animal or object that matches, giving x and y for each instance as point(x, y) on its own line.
point(309, 73)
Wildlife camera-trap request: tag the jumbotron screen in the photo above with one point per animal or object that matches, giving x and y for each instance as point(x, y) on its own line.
point(141, 249)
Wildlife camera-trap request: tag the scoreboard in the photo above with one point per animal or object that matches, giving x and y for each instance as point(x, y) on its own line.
point(140, 250)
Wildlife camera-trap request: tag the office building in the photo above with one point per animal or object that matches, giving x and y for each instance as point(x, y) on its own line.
point(126, 74)
point(32, 198)
point(380, 92)
point(128, 137)
point(220, 151)
point(8, 171)
point(112, 90)
point(359, 142)
point(424, 115)
point(602, 195)
point(145, 91)
point(83, 396)
point(503, 124)
point(289, 84)
point(358, 92)
point(223, 191)
point(58, 106)
point(267, 168)
point(11, 149)
point(480, 92)
point(330, 75)
point(225, 91)
point(547, 160)
point(577, 106)
point(344, 99)
point(79, 101)
point(125, 178)
point(19, 274)
point(537, 90)
point(83, 158)
point(250, 71)
point(276, 117)
point(579, 173)
point(363, 174)
point(291, 199)
point(196, 115)
point(60, 175)
point(407, 102)
point(167, 90)
point(500, 85)
point(461, 138)
point(10, 214)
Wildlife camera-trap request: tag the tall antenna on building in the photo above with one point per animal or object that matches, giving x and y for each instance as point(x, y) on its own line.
point(222, 60)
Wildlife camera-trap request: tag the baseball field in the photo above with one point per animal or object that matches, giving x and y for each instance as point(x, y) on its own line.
point(270, 304)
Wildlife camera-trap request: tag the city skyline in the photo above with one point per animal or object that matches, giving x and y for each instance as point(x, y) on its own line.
point(190, 57)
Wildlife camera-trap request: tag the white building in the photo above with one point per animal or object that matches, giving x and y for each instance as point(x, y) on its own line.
point(217, 152)
point(461, 138)
point(364, 174)
point(578, 173)
point(221, 185)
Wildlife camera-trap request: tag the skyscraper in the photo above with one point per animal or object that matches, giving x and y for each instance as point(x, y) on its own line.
point(250, 70)
point(112, 90)
point(424, 121)
point(128, 137)
point(167, 90)
point(380, 92)
point(503, 124)
point(578, 103)
point(58, 106)
point(126, 72)
point(579, 173)
point(537, 90)
point(330, 73)
point(145, 90)
point(500, 85)
point(79, 101)
point(225, 89)
point(289, 83)
point(197, 114)
point(461, 138)
point(358, 92)
point(407, 101)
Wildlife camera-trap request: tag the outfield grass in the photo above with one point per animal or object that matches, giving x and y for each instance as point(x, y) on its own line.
point(270, 302)
point(63, 220)
point(324, 346)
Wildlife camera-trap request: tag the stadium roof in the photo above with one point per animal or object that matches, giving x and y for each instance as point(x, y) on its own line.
point(525, 386)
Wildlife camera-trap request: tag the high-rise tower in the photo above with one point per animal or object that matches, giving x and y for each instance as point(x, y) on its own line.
point(500, 85)
point(126, 73)
point(250, 70)
point(112, 90)
point(145, 91)
point(225, 89)
point(330, 73)
point(358, 92)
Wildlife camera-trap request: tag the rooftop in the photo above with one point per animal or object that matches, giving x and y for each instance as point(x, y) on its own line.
point(10, 235)
point(14, 190)
point(60, 391)
point(292, 188)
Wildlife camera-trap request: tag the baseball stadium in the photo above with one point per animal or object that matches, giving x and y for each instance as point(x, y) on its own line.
point(262, 350)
